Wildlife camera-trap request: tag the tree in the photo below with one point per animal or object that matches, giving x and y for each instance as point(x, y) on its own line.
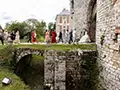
point(36, 25)
point(51, 26)
point(26, 27)
point(17, 26)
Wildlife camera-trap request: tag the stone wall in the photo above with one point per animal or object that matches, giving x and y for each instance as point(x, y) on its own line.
point(55, 69)
point(64, 70)
point(82, 16)
point(108, 18)
point(69, 70)
point(21, 52)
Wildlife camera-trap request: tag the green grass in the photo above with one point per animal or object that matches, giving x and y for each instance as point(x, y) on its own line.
point(6, 70)
point(16, 83)
point(59, 47)
point(3, 46)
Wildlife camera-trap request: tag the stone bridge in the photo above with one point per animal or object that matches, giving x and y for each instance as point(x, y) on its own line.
point(22, 52)
point(62, 69)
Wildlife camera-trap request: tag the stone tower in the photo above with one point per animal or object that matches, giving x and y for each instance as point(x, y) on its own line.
point(101, 19)
point(84, 14)
point(108, 43)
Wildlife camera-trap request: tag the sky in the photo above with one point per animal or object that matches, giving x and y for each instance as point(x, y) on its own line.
point(20, 10)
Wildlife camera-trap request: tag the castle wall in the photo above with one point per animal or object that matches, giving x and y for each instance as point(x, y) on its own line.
point(70, 70)
point(80, 16)
point(83, 11)
point(108, 18)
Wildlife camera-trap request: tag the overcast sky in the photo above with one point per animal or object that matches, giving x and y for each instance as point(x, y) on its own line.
point(21, 10)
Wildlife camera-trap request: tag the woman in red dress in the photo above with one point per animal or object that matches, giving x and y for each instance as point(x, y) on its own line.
point(34, 38)
point(54, 36)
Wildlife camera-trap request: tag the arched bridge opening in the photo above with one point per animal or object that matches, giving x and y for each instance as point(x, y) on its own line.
point(30, 67)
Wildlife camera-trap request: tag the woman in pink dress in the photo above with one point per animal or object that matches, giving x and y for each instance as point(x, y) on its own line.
point(47, 36)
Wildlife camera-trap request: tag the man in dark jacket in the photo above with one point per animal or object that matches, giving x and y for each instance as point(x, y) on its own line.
point(1, 37)
point(71, 37)
point(60, 37)
point(13, 35)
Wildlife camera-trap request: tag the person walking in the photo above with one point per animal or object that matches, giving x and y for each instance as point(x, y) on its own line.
point(60, 37)
point(17, 38)
point(54, 36)
point(71, 37)
point(47, 37)
point(34, 37)
point(29, 37)
point(5, 36)
point(67, 37)
point(1, 37)
point(13, 35)
point(74, 36)
point(9, 40)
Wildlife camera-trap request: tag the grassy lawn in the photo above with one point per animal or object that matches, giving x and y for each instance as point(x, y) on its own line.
point(7, 70)
point(16, 83)
point(59, 47)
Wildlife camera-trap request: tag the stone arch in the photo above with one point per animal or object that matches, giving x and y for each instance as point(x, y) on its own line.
point(92, 20)
point(28, 66)
point(20, 53)
point(23, 58)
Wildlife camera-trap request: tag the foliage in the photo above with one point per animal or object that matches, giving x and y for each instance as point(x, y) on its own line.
point(26, 27)
point(14, 26)
point(6, 56)
point(91, 69)
point(6, 70)
point(51, 26)
point(34, 24)
point(41, 39)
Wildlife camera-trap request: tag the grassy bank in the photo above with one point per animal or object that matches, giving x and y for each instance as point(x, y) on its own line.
point(7, 70)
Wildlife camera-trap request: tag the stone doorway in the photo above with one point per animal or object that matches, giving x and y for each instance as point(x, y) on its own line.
point(92, 20)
